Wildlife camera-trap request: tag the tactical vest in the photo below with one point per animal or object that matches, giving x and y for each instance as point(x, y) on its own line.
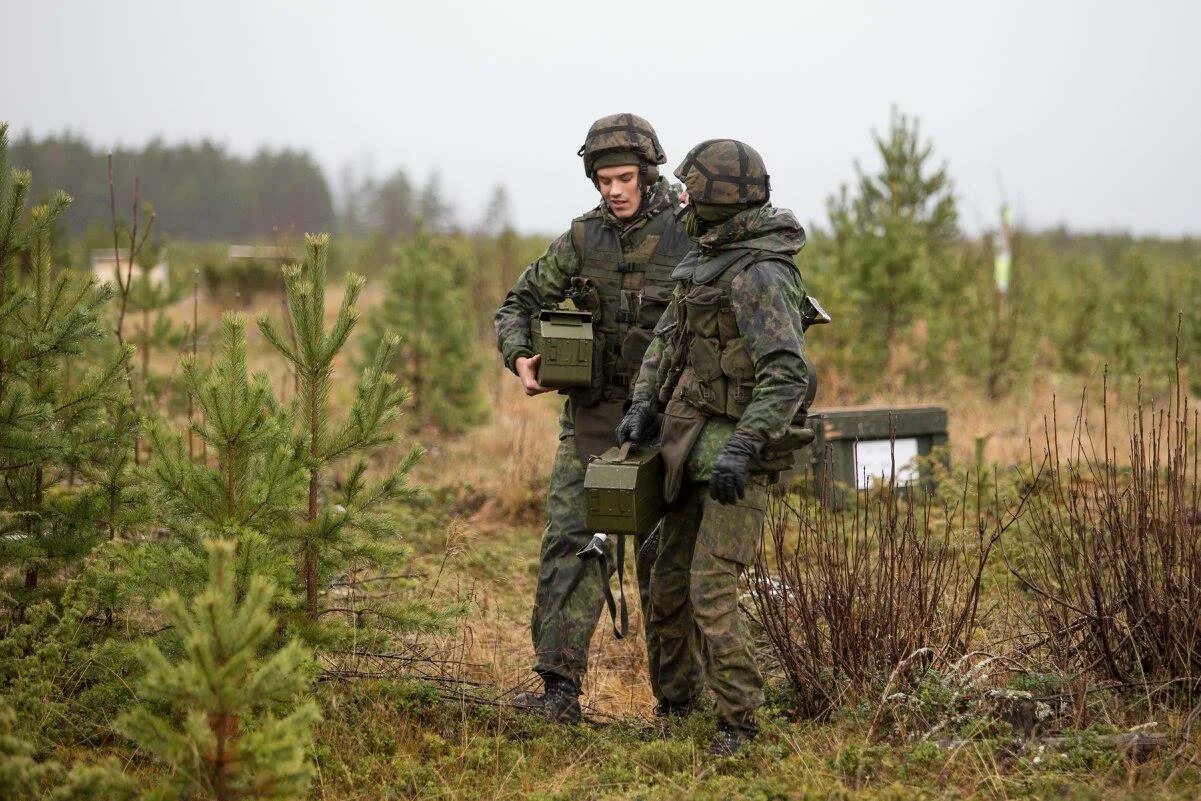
point(632, 290)
point(710, 368)
point(715, 369)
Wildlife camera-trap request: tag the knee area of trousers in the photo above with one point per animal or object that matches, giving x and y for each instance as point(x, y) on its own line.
point(664, 610)
point(713, 599)
point(673, 630)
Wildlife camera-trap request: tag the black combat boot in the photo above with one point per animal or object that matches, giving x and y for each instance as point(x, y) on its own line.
point(729, 739)
point(673, 709)
point(559, 700)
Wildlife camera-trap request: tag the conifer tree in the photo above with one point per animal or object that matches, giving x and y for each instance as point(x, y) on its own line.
point(338, 532)
point(52, 412)
point(149, 299)
point(21, 774)
point(895, 237)
point(249, 493)
point(212, 716)
point(437, 360)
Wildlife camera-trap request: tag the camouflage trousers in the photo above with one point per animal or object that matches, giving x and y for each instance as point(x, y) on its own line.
point(703, 548)
point(569, 599)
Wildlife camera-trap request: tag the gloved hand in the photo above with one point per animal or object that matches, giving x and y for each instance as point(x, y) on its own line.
point(637, 425)
point(728, 483)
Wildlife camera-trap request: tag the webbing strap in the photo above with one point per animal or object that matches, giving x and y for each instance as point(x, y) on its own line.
point(602, 564)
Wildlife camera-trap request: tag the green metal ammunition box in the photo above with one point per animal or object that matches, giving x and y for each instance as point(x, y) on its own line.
point(858, 446)
point(563, 339)
point(625, 491)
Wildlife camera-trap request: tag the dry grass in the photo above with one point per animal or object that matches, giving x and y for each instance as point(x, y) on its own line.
point(495, 478)
point(478, 541)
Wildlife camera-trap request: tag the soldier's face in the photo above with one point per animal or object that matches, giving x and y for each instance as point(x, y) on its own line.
point(619, 187)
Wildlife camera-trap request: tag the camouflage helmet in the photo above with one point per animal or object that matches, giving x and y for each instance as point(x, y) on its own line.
point(621, 133)
point(724, 171)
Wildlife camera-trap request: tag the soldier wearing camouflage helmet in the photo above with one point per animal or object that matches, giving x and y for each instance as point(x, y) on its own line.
point(615, 261)
point(727, 368)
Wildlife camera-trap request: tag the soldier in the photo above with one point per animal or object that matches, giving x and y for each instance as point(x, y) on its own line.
point(615, 261)
point(727, 366)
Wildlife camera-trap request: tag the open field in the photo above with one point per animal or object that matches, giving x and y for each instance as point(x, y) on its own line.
point(475, 541)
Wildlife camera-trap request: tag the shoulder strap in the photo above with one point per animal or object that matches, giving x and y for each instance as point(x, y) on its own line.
point(725, 263)
point(686, 266)
point(577, 237)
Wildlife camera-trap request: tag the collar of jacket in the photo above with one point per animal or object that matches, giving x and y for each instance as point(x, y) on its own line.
point(657, 199)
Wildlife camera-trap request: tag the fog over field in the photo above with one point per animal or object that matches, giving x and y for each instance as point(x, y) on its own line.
point(1086, 114)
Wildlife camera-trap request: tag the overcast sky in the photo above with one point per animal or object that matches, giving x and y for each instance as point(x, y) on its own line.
point(1087, 113)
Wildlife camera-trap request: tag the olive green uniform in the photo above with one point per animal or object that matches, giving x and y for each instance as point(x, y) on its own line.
point(621, 271)
point(727, 360)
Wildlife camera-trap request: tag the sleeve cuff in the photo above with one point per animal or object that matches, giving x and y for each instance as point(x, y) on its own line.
point(519, 353)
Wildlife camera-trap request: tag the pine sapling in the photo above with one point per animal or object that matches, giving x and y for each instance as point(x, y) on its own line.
point(214, 716)
point(249, 493)
point(426, 298)
point(52, 419)
point(336, 535)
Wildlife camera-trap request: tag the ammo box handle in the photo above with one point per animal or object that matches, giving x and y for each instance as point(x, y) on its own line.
point(564, 317)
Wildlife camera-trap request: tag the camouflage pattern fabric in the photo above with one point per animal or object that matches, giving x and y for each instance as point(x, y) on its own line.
point(702, 550)
point(547, 280)
point(724, 172)
point(569, 599)
point(619, 133)
point(705, 545)
point(766, 298)
point(767, 303)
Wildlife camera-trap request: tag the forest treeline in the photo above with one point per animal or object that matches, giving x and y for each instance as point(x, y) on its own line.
point(891, 243)
point(202, 192)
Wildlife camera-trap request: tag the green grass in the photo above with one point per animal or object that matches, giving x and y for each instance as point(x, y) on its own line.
point(397, 740)
point(401, 739)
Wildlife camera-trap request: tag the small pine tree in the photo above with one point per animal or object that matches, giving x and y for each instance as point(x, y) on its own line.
point(25, 777)
point(437, 360)
point(221, 736)
point(895, 236)
point(53, 423)
point(248, 494)
point(351, 529)
point(149, 299)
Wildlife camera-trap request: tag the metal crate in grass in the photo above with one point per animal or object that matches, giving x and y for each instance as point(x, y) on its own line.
point(857, 446)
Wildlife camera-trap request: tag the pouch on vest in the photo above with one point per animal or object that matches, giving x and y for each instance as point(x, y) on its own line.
point(705, 360)
point(652, 305)
point(633, 348)
point(737, 366)
point(703, 307)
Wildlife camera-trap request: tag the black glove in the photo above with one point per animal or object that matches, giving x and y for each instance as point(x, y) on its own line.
point(730, 470)
point(637, 425)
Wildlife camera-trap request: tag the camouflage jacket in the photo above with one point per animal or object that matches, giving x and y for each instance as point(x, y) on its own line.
point(546, 281)
point(766, 298)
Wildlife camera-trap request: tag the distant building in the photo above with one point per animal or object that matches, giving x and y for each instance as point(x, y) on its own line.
point(104, 267)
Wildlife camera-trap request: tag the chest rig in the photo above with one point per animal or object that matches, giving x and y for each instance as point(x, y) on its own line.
point(714, 371)
point(627, 288)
